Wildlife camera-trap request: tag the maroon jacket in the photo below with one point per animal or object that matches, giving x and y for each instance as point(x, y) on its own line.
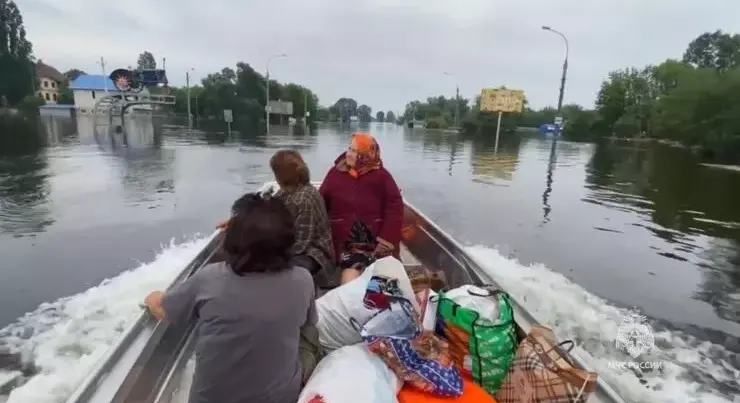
point(373, 198)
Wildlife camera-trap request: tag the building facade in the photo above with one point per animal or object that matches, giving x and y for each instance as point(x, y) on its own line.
point(49, 82)
point(89, 89)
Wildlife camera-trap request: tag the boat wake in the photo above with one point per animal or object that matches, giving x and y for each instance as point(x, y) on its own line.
point(47, 353)
point(689, 370)
point(63, 340)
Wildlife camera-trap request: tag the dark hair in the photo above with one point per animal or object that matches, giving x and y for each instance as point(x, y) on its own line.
point(259, 236)
point(289, 168)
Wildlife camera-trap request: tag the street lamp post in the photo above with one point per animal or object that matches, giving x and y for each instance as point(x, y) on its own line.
point(457, 100)
point(267, 90)
point(187, 85)
point(565, 67)
point(551, 163)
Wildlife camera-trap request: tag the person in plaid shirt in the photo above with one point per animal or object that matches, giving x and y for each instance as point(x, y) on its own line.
point(313, 249)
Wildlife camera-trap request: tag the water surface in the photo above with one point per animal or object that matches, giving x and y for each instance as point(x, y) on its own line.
point(637, 225)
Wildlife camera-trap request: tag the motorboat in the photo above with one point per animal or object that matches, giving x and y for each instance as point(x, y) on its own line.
point(150, 362)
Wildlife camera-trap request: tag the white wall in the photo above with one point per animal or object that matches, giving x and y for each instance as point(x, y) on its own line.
point(48, 90)
point(84, 99)
point(88, 98)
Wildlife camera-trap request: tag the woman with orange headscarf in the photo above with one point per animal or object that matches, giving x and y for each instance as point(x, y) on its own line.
point(365, 207)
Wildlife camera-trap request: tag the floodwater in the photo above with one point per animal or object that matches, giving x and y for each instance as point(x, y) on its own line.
point(625, 225)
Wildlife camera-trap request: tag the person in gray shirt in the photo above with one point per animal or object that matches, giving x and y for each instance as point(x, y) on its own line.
point(250, 310)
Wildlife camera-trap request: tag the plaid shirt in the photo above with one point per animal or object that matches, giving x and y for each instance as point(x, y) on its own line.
point(313, 233)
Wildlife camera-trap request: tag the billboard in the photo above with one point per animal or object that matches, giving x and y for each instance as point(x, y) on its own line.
point(280, 107)
point(499, 100)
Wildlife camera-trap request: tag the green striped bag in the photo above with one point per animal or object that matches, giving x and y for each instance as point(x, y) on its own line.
point(482, 350)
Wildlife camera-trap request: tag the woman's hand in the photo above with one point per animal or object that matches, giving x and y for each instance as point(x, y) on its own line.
point(382, 250)
point(153, 302)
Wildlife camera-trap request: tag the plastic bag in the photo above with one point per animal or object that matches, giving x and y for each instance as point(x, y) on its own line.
point(482, 349)
point(338, 306)
point(351, 374)
point(476, 299)
point(428, 303)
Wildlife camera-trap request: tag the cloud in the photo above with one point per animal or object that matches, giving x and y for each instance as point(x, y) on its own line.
point(381, 52)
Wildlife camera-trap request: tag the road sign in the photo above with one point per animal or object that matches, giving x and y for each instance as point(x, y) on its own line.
point(228, 116)
point(558, 121)
point(280, 107)
point(499, 100)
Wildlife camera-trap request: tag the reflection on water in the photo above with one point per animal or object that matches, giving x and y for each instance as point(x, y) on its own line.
point(495, 167)
point(59, 131)
point(24, 187)
point(24, 195)
point(146, 174)
point(694, 210)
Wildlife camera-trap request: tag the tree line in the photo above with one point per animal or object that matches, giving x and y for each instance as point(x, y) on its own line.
point(693, 101)
point(17, 75)
point(344, 109)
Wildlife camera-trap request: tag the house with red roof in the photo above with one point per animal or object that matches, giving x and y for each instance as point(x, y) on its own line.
point(49, 82)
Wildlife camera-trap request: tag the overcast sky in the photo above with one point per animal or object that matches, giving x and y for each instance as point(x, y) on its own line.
point(376, 51)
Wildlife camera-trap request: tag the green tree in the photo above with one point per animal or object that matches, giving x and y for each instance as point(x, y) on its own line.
point(364, 113)
point(380, 116)
point(66, 97)
point(344, 108)
point(322, 114)
point(72, 74)
point(390, 117)
point(716, 50)
point(693, 102)
point(243, 90)
point(437, 112)
point(17, 75)
point(146, 61)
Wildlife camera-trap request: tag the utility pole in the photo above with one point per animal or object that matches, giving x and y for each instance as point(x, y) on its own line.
point(267, 99)
point(565, 67)
point(197, 109)
point(187, 85)
point(457, 99)
point(105, 79)
point(457, 107)
point(305, 107)
point(267, 91)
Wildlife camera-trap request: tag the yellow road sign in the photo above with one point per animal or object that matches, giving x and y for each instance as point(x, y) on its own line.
point(498, 100)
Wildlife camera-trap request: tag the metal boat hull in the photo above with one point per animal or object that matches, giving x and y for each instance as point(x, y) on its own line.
point(148, 364)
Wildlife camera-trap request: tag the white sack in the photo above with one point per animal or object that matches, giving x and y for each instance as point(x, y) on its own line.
point(351, 374)
point(337, 306)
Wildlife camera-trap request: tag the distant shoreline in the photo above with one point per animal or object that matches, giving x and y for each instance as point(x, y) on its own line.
point(646, 139)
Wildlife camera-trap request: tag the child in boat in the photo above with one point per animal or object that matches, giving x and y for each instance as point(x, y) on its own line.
point(252, 310)
point(365, 207)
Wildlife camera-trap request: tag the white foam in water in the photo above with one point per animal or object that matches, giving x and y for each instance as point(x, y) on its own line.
point(576, 314)
point(70, 335)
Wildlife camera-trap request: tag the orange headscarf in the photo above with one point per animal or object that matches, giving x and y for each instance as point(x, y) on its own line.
point(368, 154)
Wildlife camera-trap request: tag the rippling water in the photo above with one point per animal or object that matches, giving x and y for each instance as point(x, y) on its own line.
point(639, 226)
